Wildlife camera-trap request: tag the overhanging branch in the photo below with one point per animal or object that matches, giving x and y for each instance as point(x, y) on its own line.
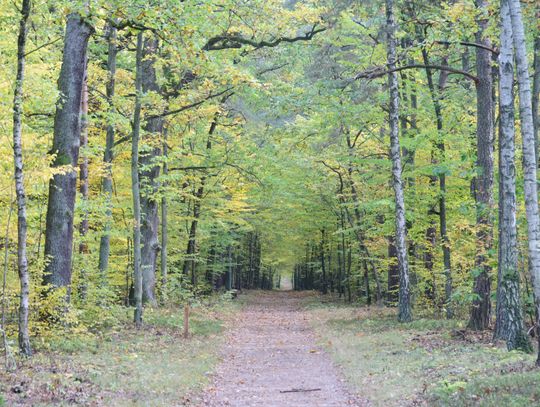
point(230, 41)
point(378, 72)
point(190, 106)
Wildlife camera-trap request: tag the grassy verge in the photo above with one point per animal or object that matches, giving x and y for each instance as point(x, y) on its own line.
point(123, 367)
point(426, 362)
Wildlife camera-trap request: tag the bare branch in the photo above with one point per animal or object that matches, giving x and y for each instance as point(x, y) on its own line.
point(190, 106)
point(471, 44)
point(228, 41)
point(378, 72)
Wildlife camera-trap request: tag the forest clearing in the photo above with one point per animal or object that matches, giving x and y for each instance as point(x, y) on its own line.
point(270, 202)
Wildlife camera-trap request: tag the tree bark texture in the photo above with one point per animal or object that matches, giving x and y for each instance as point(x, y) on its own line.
point(148, 176)
point(404, 305)
point(135, 188)
point(509, 322)
point(529, 154)
point(22, 227)
point(483, 185)
point(66, 143)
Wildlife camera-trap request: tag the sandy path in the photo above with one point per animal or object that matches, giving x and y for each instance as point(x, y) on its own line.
point(271, 352)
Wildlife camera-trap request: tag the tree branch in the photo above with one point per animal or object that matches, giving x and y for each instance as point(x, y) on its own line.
point(471, 44)
point(228, 41)
point(378, 72)
point(43, 46)
point(190, 106)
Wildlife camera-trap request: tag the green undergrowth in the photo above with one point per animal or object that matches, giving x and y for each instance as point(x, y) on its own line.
point(123, 366)
point(425, 362)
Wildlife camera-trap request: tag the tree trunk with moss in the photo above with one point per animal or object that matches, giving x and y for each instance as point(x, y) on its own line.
point(66, 143)
point(148, 175)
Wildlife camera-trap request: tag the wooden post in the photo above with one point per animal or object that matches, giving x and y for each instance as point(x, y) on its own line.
point(186, 320)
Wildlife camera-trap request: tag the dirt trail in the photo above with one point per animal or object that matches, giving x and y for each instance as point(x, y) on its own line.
point(271, 359)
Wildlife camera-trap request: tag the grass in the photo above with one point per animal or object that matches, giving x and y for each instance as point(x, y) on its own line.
point(425, 362)
point(154, 366)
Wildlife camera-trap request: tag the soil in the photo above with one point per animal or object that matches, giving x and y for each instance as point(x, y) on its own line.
point(271, 358)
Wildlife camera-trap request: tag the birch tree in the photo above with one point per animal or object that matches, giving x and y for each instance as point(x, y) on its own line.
point(404, 304)
point(509, 322)
point(22, 260)
point(529, 154)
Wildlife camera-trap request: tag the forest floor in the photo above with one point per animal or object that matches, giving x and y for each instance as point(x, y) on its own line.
point(428, 362)
point(275, 348)
point(120, 365)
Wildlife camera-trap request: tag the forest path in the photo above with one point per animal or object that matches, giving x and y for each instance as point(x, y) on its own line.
point(271, 358)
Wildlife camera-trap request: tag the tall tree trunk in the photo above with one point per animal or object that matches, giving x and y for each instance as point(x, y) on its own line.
point(66, 142)
point(189, 261)
point(392, 292)
point(107, 184)
point(228, 281)
point(148, 177)
point(324, 287)
point(340, 253)
point(83, 188)
point(366, 283)
point(483, 185)
point(529, 155)
point(404, 305)
point(164, 224)
point(536, 93)
point(22, 260)
point(135, 188)
point(536, 85)
point(509, 323)
point(436, 156)
point(357, 224)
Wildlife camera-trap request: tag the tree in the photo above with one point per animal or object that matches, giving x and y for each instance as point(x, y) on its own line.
point(509, 323)
point(66, 143)
point(404, 305)
point(84, 185)
point(135, 187)
point(483, 181)
point(22, 260)
point(106, 183)
point(148, 176)
point(529, 154)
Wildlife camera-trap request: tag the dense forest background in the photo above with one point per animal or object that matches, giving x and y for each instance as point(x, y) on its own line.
point(155, 152)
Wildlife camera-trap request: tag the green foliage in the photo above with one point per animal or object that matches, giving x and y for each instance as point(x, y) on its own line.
point(299, 147)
